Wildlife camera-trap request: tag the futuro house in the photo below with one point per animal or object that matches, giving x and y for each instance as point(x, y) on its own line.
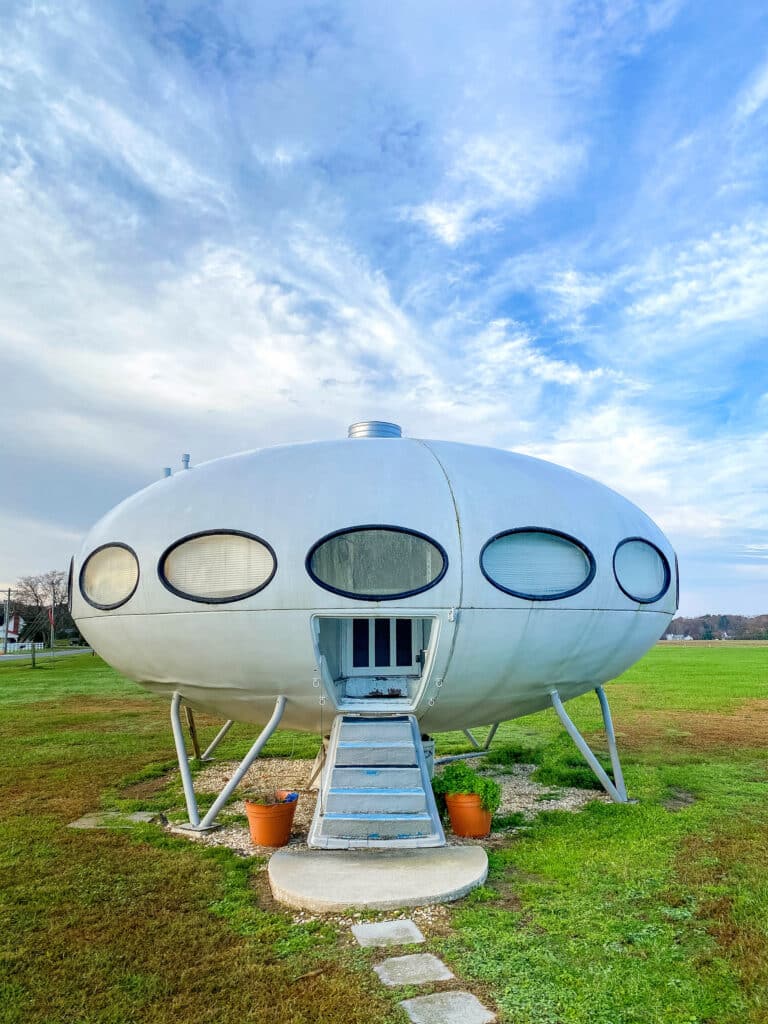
point(381, 588)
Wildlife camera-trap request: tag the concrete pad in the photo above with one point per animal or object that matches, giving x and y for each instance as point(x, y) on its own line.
point(329, 880)
point(387, 933)
point(447, 1008)
point(113, 819)
point(416, 969)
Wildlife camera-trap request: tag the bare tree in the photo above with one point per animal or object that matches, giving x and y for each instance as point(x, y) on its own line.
point(39, 591)
point(46, 590)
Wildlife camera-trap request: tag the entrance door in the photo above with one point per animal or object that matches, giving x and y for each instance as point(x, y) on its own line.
point(382, 658)
point(374, 658)
point(386, 646)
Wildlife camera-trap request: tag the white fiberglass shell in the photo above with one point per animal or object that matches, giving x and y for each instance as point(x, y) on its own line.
point(492, 654)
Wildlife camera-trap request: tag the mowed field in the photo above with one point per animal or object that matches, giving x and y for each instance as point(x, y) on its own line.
point(652, 912)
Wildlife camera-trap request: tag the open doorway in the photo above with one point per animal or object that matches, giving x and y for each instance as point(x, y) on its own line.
point(375, 658)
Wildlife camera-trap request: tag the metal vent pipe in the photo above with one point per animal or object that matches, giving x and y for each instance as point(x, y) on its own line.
point(374, 428)
point(166, 471)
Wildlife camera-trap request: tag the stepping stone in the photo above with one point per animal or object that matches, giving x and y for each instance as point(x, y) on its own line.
point(387, 933)
point(416, 969)
point(447, 1008)
point(112, 819)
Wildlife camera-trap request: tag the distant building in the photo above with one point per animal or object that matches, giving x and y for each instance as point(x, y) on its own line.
point(15, 625)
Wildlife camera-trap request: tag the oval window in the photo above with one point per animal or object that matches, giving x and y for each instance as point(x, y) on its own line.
point(109, 576)
point(377, 563)
point(641, 570)
point(537, 564)
point(217, 566)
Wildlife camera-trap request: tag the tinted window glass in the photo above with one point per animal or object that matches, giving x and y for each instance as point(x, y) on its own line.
point(376, 563)
point(404, 641)
point(360, 655)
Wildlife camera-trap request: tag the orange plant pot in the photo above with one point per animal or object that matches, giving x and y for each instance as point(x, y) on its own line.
point(270, 824)
point(467, 815)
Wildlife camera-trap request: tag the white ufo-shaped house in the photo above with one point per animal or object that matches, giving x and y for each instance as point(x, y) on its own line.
point(395, 585)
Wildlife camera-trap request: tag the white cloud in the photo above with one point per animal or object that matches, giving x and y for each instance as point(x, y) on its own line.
point(495, 175)
point(754, 94)
point(719, 279)
point(216, 232)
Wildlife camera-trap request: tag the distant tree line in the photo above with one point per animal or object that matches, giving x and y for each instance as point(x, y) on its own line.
point(721, 627)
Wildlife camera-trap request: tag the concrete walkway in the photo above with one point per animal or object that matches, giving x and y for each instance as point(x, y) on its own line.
point(445, 1007)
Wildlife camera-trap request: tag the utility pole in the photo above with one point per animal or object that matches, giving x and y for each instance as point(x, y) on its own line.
point(7, 617)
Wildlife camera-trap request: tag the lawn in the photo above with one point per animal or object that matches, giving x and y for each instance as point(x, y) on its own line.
point(657, 911)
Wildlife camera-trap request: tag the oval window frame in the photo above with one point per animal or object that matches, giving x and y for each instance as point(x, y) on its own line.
point(214, 533)
point(665, 563)
point(84, 566)
point(552, 533)
point(677, 584)
point(376, 597)
point(70, 583)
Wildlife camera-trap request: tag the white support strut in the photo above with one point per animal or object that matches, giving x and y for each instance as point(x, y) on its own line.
point(614, 788)
point(208, 821)
point(207, 753)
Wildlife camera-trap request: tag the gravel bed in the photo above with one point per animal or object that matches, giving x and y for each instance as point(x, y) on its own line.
point(519, 794)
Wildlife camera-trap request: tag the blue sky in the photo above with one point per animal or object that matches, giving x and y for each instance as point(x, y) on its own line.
point(539, 225)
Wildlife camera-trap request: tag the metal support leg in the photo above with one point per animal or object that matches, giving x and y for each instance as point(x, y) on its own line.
point(471, 738)
point(616, 789)
point(244, 765)
point(181, 754)
point(618, 775)
point(216, 740)
point(189, 715)
point(472, 753)
point(319, 763)
point(195, 824)
point(491, 734)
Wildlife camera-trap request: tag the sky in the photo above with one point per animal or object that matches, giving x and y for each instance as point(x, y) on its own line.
point(536, 225)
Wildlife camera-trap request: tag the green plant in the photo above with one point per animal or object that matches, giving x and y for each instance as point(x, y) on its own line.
point(264, 798)
point(460, 778)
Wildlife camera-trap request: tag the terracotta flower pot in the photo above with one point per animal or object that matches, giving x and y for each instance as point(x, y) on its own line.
point(467, 815)
point(270, 824)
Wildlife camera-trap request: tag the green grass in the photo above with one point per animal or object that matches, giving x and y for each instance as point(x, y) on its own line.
point(617, 915)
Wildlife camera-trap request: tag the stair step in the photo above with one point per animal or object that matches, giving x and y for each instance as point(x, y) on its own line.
point(372, 730)
point(398, 752)
point(375, 791)
point(371, 800)
point(377, 826)
point(377, 777)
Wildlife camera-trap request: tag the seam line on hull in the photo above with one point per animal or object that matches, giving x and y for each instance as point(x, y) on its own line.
point(417, 612)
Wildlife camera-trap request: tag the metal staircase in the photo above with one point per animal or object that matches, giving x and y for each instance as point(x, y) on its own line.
point(375, 789)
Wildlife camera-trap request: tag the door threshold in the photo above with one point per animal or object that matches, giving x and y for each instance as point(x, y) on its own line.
point(387, 706)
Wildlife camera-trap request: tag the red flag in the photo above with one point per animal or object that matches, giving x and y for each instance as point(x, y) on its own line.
point(50, 615)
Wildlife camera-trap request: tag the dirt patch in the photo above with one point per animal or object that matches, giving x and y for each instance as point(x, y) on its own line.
point(140, 790)
point(678, 799)
point(707, 863)
point(746, 726)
